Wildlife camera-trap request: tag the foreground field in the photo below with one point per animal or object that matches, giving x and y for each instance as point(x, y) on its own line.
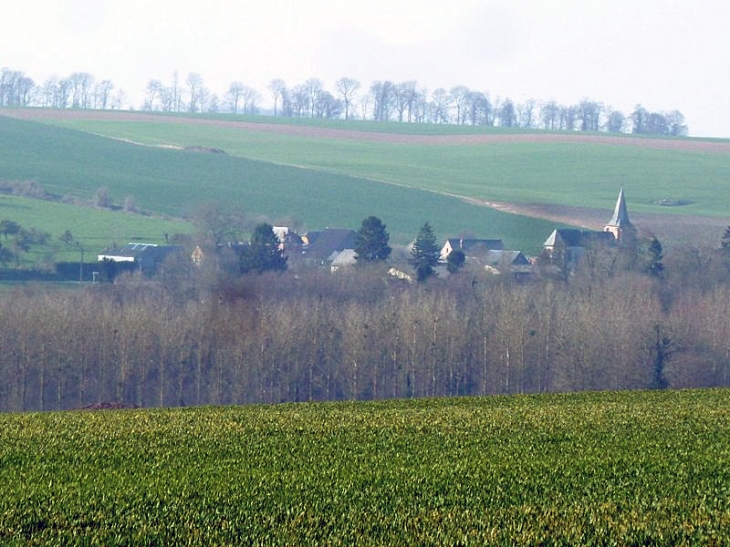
point(590, 469)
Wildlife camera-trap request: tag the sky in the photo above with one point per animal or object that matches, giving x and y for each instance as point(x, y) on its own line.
point(663, 54)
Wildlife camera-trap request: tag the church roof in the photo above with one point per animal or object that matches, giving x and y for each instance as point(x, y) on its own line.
point(620, 216)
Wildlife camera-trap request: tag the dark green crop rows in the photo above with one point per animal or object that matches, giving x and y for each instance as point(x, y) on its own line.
point(589, 469)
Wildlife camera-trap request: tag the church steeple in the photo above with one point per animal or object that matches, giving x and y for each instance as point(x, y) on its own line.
point(619, 222)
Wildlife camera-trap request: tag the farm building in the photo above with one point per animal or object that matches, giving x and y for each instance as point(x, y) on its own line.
point(146, 257)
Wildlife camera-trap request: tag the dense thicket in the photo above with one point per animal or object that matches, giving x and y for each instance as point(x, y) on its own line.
point(316, 336)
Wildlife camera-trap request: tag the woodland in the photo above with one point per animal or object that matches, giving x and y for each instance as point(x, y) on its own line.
point(194, 336)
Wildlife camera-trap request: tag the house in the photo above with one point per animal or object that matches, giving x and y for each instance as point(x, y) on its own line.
point(342, 259)
point(470, 247)
point(505, 261)
point(319, 246)
point(289, 240)
point(145, 257)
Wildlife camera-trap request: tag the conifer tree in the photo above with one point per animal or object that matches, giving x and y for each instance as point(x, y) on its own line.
point(262, 253)
point(425, 253)
point(372, 241)
point(654, 265)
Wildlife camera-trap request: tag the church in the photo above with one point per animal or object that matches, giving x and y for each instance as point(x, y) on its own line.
point(571, 242)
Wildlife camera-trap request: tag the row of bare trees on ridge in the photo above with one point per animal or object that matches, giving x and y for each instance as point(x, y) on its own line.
point(381, 101)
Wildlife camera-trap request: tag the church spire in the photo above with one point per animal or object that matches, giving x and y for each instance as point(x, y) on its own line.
point(620, 219)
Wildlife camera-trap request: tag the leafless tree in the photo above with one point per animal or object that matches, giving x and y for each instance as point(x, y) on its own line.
point(441, 102)
point(313, 87)
point(550, 115)
point(195, 91)
point(235, 91)
point(615, 121)
point(459, 97)
point(347, 87)
point(382, 94)
point(278, 89)
point(154, 91)
point(102, 92)
point(250, 99)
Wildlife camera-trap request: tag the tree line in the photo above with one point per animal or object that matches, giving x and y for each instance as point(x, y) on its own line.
point(192, 336)
point(381, 101)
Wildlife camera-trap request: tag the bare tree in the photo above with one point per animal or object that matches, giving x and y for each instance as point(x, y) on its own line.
point(615, 121)
point(550, 116)
point(508, 114)
point(81, 83)
point(527, 114)
point(102, 91)
point(250, 99)
point(382, 94)
point(175, 93)
point(676, 123)
point(347, 88)
point(313, 87)
point(299, 100)
point(589, 115)
point(459, 97)
point(479, 109)
point(440, 101)
point(195, 86)
point(278, 89)
point(407, 100)
point(154, 91)
point(235, 91)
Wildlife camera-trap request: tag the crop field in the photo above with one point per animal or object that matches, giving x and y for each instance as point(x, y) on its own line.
point(319, 173)
point(492, 165)
point(173, 182)
point(634, 468)
point(93, 229)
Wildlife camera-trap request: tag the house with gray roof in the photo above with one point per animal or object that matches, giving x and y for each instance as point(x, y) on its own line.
point(145, 257)
point(470, 246)
point(320, 246)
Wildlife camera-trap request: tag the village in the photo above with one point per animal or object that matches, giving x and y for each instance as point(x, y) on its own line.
point(334, 248)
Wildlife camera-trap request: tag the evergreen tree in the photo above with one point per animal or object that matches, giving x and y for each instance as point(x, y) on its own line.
point(654, 265)
point(372, 241)
point(262, 253)
point(425, 253)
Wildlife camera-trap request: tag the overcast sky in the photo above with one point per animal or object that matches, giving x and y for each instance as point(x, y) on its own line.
point(664, 54)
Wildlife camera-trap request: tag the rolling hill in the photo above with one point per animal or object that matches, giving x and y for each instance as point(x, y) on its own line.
point(333, 173)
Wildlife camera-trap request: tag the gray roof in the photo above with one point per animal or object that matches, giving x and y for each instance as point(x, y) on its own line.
point(572, 237)
point(620, 216)
point(496, 258)
point(329, 241)
point(476, 245)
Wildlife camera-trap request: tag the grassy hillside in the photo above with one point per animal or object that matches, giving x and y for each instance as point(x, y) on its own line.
point(174, 182)
point(585, 174)
point(589, 469)
point(93, 229)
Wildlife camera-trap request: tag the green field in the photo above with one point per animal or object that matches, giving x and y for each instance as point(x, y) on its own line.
point(576, 174)
point(641, 468)
point(316, 182)
point(93, 229)
point(174, 182)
